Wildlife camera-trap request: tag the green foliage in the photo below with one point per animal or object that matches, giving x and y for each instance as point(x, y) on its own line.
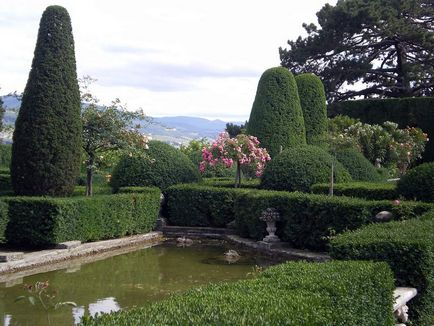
point(276, 118)
point(366, 190)
point(308, 220)
point(297, 169)
point(5, 155)
point(39, 221)
point(228, 183)
point(295, 293)
point(357, 165)
point(200, 205)
point(408, 248)
point(4, 219)
point(413, 112)
point(107, 129)
point(163, 166)
point(5, 183)
point(234, 130)
point(217, 171)
point(418, 183)
point(384, 44)
point(47, 137)
point(313, 104)
point(2, 113)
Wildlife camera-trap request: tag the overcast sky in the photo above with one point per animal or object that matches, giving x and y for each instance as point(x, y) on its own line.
point(169, 57)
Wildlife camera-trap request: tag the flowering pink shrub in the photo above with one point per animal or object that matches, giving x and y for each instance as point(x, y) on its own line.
point(241, 150)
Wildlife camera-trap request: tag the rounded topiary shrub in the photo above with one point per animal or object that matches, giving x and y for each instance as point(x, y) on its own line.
point(357, 165)
point(418, 183)
point(276, 118)
point(313, 104)
point(164, 166)
point(297, 169)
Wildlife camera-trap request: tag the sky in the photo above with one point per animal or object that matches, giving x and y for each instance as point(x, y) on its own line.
point(168, 57)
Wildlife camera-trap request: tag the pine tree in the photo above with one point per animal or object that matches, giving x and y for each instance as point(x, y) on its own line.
point(276, 117)
point(47, 136)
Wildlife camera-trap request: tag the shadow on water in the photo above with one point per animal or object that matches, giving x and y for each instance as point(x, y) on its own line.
point(124, 281)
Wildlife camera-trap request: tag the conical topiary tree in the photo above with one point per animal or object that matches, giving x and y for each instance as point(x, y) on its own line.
point(313, 104)
point(276, 118)
point(47, 137)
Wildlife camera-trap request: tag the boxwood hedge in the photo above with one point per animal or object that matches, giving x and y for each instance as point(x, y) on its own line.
point(3, 220)
point(408, 248)
point(367, 190)
point(308, 221)
point(295, 293)
point(41, 221)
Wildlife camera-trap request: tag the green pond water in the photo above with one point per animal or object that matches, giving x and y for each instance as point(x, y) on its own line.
point(123, 281)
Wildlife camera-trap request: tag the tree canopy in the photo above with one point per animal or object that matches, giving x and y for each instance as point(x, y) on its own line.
point(385, 45)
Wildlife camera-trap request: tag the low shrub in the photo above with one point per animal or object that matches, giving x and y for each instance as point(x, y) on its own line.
point(310, 221)
point(41, 221)
point(5, 183)
point(229, 183)
point(200, 205)
point(164, 166)
point(408, 248)
point(97, 190)
point(418, 183)
point(366, 190)
point(295, 293)
point(357, 165)
point(5, 155)
point(298, 168)
point(4, 219)
point(219, 170)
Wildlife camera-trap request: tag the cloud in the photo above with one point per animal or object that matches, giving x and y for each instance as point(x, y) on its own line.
point(164, 76)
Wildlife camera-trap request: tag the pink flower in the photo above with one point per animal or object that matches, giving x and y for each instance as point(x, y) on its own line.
point(202, 166)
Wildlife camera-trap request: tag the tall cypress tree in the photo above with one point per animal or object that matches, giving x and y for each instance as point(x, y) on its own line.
point(47, 138)
point(276, 117)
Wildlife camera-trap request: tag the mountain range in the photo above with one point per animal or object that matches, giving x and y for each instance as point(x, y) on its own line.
point(175, 130)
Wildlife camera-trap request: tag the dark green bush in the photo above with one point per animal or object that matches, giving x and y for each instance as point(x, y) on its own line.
point(5, 183)
point(418, 183)
point(200, 205)
point(229, 182)
point(310, 221)
point(411, 111)
point(295, 293)
point(366, 190)
point(165, 166)
point(38, 221)
point(408, 248)
point(4, 219)
point(219, 170)
point(357, 165)
point(313, 104)
point(5, 155)
point(46, 149)
point(298, 168)
point(276, 117)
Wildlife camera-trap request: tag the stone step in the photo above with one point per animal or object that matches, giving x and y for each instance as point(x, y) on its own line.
point(10, 256)
point(195, 230)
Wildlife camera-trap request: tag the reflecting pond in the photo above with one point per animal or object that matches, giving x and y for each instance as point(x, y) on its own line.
point(123, 281)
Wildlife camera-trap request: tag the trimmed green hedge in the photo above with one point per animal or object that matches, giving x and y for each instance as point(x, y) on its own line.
point(418, 183)
point(295, 293)
point(5, 155)
point(408, 248)
point(313, 103)
point(38, 221)
point(298, 168)
point(200, 205)
point(367, 190)
point(5, 183)
point(308, 220)
point(230, 183)
point(411, 111)
point(357, 165)
point(3, 220)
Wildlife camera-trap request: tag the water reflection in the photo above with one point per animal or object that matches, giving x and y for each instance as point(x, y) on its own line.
point(120, 282)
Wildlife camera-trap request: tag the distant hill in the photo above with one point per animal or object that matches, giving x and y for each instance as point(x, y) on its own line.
point(173, 130)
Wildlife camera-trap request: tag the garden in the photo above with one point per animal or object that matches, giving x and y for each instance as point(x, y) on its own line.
point(353, 181)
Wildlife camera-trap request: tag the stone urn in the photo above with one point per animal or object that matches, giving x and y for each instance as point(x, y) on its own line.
point(270, 216)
